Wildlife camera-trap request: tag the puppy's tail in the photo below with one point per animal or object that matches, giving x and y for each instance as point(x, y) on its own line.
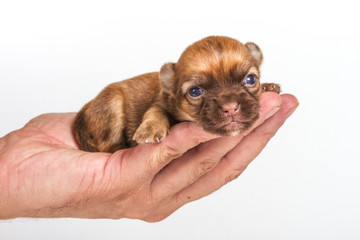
point(82, 134)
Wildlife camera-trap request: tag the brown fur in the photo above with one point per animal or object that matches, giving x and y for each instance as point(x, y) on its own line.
point(142, 109)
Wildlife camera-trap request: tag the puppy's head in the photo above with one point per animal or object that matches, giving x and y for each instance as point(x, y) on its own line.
point(216, 84)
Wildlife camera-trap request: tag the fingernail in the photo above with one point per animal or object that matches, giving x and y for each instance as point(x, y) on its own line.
point(272, 112)
point(291, 111)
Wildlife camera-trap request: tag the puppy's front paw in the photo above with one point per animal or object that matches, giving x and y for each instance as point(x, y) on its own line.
point(150, 132)
point(271, 87)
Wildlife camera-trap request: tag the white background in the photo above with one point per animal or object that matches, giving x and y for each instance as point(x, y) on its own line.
point(57, 55)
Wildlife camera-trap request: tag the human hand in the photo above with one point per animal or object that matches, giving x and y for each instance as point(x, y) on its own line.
point(44, 174)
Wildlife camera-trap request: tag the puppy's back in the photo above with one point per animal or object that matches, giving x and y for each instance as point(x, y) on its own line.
point(108, 122)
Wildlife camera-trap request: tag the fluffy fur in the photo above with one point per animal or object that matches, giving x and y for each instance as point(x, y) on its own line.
point(142, 109)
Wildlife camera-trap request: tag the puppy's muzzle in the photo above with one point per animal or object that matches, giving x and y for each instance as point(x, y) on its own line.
point(230, 109)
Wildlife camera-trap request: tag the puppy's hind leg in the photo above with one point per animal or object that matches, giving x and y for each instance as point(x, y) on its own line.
point(99, 126)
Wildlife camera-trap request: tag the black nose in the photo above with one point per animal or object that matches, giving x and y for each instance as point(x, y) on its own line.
point(230, 109)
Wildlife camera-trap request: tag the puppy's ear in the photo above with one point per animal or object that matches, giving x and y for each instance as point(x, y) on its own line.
point(255, 52)
point(167, 75)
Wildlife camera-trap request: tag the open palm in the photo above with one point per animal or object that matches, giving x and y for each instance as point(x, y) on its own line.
point(44, 174)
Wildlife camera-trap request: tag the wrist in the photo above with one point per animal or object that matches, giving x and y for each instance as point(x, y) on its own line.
point(10, 207)
point(4, 202)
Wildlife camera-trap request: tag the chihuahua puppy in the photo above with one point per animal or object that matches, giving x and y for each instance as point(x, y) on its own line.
point(215, 83)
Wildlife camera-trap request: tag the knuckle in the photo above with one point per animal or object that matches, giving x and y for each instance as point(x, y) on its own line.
point(265, 134)
point(234, 174)
point(231, 177)
point(202, 167)
point(181, 198)
point(205, 165)
point(156, 210)
point(188, 126)
point(144, 212)
point(236, 169)
point(191, 132)
point(167, 153)
point(268, 135)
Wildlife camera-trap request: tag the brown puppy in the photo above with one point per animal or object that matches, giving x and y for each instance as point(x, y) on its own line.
point(215, 83)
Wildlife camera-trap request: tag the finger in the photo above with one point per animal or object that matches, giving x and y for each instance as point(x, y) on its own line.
point(187, 169)
point(236, 161)
point(153, 157)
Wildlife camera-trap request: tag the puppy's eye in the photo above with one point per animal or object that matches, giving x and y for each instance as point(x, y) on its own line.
point(195, 92)
point(250, 80)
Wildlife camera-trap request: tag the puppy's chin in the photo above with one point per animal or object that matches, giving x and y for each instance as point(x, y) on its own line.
point(232, 128)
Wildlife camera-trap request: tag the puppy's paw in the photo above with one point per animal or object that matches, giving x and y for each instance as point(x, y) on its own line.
point(271, 87)
point(150, 132)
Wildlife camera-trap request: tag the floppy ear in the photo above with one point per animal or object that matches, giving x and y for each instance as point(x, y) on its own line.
point(255, 52)
point(167, 75)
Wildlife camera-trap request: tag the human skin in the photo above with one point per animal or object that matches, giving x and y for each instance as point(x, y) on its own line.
point(44, 174)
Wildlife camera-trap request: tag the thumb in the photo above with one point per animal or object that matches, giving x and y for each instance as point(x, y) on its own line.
point(155, 156)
